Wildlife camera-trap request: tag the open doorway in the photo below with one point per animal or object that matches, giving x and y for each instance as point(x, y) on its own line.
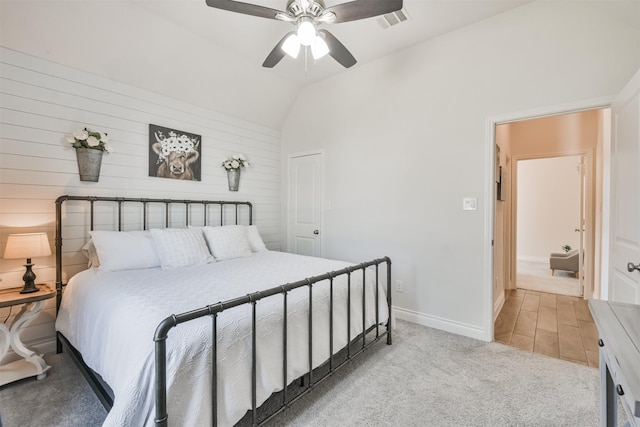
point(532, 319)
point(550, 224)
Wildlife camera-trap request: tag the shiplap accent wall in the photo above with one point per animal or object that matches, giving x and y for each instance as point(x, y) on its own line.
point(41, 102)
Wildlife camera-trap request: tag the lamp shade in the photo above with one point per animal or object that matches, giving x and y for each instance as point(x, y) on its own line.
point(27, 245)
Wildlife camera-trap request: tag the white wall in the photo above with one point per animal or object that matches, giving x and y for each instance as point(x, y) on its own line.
point(548, 206)
point(41, 101)
point(129, 43)
point(405, 141)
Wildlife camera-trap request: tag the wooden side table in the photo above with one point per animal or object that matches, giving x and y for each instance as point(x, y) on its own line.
point(32, 364)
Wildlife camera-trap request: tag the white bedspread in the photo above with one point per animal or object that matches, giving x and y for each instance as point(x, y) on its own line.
point(111, 317)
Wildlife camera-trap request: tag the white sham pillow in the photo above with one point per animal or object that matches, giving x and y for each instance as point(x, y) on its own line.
point(227, 242)
point(181, 247)
point(89, 250)
point(253, 237)
point(125, 250)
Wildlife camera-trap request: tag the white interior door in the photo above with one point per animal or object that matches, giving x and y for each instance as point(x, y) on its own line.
point(305, 198)
point(624, 285)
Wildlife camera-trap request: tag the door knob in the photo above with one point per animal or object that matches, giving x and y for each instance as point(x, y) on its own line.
point(316, 232)
point(631, 267)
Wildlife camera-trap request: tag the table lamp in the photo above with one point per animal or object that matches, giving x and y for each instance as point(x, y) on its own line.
point(27, 245)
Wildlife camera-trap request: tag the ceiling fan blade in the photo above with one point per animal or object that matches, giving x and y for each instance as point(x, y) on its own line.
point(277, 53)
point(246, 8)
point(362, 9)
point(337, 50)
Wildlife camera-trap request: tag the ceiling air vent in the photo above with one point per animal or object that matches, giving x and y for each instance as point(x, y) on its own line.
point(393, 18)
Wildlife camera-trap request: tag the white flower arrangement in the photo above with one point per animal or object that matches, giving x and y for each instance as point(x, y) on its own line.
point(89, 138)
point(235, 162)
point(176, 143)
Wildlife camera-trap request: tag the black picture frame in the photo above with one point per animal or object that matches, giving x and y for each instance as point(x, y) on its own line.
point(500, 191)
point(497, 164)
point(174, 154)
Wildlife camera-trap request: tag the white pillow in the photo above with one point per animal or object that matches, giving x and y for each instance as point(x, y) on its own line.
point(227, 242)
point(125, 250)
point(253, 237)
point(89, 250)
point(181, 247)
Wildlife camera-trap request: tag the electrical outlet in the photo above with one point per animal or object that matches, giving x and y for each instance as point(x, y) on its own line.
point(399, 286)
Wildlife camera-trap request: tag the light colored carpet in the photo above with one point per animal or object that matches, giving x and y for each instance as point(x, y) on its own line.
point(62, 399)
point(433, 378)
point(536, 276)
point(426, 378)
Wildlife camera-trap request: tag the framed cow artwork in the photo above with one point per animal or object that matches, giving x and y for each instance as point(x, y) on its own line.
point(174, 153)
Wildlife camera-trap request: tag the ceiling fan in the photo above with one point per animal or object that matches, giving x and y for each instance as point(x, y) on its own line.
point(307, 15)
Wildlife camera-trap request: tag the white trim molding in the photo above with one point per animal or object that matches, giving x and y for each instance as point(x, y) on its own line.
point(498, 306)
point(447, 325)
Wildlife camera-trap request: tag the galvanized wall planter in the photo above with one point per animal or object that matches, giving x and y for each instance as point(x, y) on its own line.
point(233, 176)
point(89, 162)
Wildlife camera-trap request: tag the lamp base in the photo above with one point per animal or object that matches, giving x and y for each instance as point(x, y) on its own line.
point(29, 279)
point(29, 289)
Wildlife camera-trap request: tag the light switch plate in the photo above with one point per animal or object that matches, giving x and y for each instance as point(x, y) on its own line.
point(469, 204)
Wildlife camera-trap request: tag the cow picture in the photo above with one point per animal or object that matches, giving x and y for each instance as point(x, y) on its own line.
point(174, 154)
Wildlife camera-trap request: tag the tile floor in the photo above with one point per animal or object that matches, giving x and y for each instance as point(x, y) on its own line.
point(555, 325)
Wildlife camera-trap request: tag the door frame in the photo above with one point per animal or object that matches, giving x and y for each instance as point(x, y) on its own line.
point(489, 185)
point(290, 158)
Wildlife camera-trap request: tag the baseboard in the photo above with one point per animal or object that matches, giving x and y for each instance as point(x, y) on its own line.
point(436, 322)
point(497, 306)
point(41, 346)
point(533, 259)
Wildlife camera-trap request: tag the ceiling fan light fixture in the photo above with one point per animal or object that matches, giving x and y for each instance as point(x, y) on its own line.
point(319, 48)
point(291, 46)
point(306, 32)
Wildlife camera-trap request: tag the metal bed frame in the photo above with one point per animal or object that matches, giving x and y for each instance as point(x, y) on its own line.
point(361, 342)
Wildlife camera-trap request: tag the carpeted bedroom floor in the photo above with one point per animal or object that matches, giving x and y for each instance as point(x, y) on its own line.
point(426, 378)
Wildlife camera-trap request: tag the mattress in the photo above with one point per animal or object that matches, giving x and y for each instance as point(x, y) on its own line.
point(111, 317)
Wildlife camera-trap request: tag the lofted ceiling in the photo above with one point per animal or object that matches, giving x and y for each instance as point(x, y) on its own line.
point(252, 38)
point(228, 48)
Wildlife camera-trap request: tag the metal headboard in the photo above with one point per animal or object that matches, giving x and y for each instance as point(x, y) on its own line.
point(120, 201)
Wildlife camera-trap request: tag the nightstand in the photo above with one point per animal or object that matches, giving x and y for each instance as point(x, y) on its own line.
point(32, 364)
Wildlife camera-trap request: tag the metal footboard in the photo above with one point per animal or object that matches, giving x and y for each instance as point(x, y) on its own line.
point(213, 310)
point(210, 212)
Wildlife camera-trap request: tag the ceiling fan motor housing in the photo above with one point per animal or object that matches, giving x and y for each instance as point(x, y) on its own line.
point(315, 8)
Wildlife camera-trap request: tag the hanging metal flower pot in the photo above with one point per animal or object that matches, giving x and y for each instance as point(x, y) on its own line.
point(89, 145)
point(89, 162)
point(233, 165)
point(233, 176)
